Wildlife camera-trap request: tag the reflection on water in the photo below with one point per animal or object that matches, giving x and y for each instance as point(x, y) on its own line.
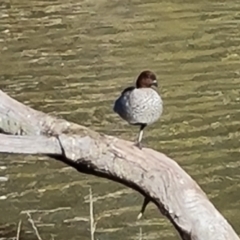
point(71, 58)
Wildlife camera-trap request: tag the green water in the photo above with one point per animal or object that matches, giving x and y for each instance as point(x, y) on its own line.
point(72, 58)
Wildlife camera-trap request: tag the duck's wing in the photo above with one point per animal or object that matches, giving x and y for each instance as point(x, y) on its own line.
point(121, 105)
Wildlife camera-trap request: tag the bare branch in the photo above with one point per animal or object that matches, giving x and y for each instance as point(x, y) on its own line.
point(151, 173)
point(29, 144)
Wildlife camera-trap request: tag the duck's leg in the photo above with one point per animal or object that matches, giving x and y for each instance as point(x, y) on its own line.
point(145, 203)
point(140, 135)
point(139, 145)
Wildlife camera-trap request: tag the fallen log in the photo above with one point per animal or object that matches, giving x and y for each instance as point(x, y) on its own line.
point(153, 174)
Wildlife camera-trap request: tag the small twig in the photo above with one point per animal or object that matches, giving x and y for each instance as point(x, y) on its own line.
point(92, 225)
point(33, 226)
point(140, 234)
point(19, 230)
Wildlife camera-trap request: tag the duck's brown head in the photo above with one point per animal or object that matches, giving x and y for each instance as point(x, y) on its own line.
point(146, 79)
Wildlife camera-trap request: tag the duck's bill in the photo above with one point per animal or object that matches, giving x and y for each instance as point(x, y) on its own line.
point(155, 83)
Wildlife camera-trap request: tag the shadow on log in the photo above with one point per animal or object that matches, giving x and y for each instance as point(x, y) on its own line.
point(178, 197)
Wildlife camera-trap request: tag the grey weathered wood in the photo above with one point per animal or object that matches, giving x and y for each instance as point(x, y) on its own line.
point(29, 144)
point(151, 173)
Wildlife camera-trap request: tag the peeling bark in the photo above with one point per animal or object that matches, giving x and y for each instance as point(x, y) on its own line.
point(149, 172)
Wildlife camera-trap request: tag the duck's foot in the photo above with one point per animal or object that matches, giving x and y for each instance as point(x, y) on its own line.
point(145, 203)
point(139, 145)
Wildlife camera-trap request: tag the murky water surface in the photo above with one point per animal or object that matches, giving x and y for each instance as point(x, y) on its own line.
point(72, 58)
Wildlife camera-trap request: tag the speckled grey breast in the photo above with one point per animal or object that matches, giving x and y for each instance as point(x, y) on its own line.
point(141, 105)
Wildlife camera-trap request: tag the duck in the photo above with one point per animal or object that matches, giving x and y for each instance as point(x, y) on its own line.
point(140, 105)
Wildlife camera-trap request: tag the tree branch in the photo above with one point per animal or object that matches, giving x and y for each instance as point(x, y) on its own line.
point(151, 173)
point(29, 145)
